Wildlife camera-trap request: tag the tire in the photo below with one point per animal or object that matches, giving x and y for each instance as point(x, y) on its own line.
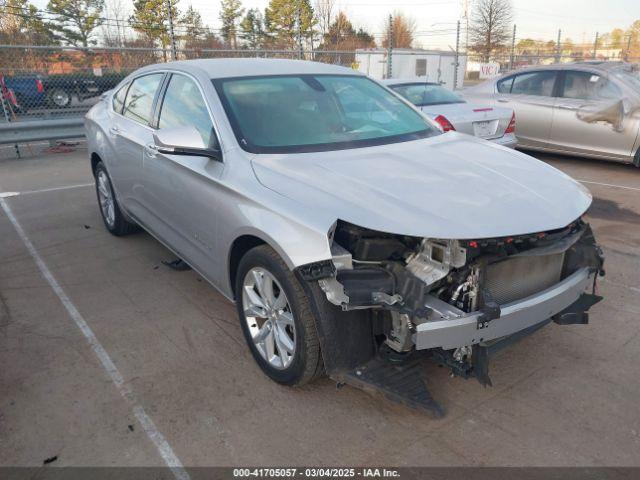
point(110, 211)
point(59, 98)
point(305, 363)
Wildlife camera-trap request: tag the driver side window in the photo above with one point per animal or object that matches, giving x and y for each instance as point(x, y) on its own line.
point(589, 86)
point(183, 105)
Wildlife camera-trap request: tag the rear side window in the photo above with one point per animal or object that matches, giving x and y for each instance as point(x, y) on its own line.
point(504, 85)
point(118, 99)
point(183, 105)
point(139, 101)
point(589, 86)
point(534, 83)
point(423, 94)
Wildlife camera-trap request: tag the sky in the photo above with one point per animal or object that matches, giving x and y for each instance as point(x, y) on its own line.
point(436, 19)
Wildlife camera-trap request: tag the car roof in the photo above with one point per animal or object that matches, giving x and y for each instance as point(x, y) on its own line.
point(588, 65)
point(406, 81)
point(250, 67)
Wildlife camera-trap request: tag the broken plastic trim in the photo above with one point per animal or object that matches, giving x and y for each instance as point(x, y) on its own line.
point(317, 270)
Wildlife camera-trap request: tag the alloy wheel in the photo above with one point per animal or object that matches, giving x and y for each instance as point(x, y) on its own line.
point(60, 98)
point(269, 317)
point(105, 197)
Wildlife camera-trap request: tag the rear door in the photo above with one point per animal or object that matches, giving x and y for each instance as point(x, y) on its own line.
point(531, 96)
point(588, 117)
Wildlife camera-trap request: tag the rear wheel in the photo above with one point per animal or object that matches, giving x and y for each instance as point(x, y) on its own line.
point(109, 208)
point(59, 98)
point(276, 318)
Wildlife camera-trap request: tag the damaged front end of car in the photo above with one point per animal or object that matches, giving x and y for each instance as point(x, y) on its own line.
point(385, 301)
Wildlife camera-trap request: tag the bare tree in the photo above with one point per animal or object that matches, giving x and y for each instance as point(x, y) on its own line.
point(324, 15)
point(404, 28)
point(490, 26)
point(113, 31)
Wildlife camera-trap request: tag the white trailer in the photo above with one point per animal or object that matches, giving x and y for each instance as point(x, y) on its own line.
point(432, 65)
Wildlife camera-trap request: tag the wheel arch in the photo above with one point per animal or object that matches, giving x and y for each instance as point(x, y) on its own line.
point(240, 246)
point(95, 159)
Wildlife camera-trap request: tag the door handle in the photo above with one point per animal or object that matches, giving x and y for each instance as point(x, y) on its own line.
point(503, 100)
point(567, 107)
point(114, 130)
point(151, 150)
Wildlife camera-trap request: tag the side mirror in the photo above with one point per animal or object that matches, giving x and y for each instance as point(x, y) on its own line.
point(612, 113)
point(184, 141)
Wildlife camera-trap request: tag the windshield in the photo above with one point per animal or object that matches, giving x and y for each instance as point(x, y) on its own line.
point(310, 113)
point(424, 94)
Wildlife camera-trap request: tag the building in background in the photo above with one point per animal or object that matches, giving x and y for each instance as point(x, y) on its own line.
point(432, 65)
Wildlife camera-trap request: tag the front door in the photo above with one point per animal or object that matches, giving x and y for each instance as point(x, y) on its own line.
point(131, 131)
point(181, 191)
point(589, 117)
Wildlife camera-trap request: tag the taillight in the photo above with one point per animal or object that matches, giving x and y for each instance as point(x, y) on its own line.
point(444, 123)
point(512, 124)
point(39, 85)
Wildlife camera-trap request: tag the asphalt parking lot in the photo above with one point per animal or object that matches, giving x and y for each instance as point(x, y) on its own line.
point(564, 396)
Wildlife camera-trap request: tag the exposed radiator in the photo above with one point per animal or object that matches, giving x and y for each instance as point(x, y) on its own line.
point(519, 277)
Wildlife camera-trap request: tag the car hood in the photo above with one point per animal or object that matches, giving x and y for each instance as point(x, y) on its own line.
point(449, 186)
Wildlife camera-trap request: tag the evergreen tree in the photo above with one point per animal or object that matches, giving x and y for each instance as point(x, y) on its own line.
point(74, 21)
point(22, 23)
point(252, 28)
point(287, 20)
point(151, 19)
point(230, 12)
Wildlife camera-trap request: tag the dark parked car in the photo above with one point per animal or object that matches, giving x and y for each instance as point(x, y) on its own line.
point(27, 92)
point(61, 89)
point(22, 92)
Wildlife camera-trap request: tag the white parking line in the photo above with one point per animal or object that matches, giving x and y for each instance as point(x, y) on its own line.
point(53, 189)
point(161, 444)
point(624, 187)
point(43, 190)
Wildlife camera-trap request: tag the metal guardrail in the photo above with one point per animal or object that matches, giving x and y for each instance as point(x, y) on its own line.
point(39, 130)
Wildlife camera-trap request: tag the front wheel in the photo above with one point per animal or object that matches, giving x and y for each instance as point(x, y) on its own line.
point(276, 318)
point(109, 209)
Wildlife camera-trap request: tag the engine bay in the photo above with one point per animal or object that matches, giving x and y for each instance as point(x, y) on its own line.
point(408, 281)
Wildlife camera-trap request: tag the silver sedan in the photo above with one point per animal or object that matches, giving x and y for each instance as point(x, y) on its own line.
point(351, 233)
point(591, 109)
point(451, 112)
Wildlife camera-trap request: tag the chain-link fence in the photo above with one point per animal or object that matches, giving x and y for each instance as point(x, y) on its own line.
point(42, 82)
point(52, 82)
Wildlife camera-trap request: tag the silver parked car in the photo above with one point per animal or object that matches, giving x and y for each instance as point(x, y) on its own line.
point(451, 112)
point(589, 109)
point(352, 234)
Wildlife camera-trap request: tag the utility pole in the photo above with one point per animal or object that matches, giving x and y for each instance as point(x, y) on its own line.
point(513, 47)
point(172, 37)
point(595, 46)
point(466, 28)
point(390, 48)
point(455, 63)
point(626, 53)
point(299, 22)
point(558, 49)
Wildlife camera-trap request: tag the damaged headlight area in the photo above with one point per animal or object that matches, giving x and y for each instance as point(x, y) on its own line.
point(455, 296)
